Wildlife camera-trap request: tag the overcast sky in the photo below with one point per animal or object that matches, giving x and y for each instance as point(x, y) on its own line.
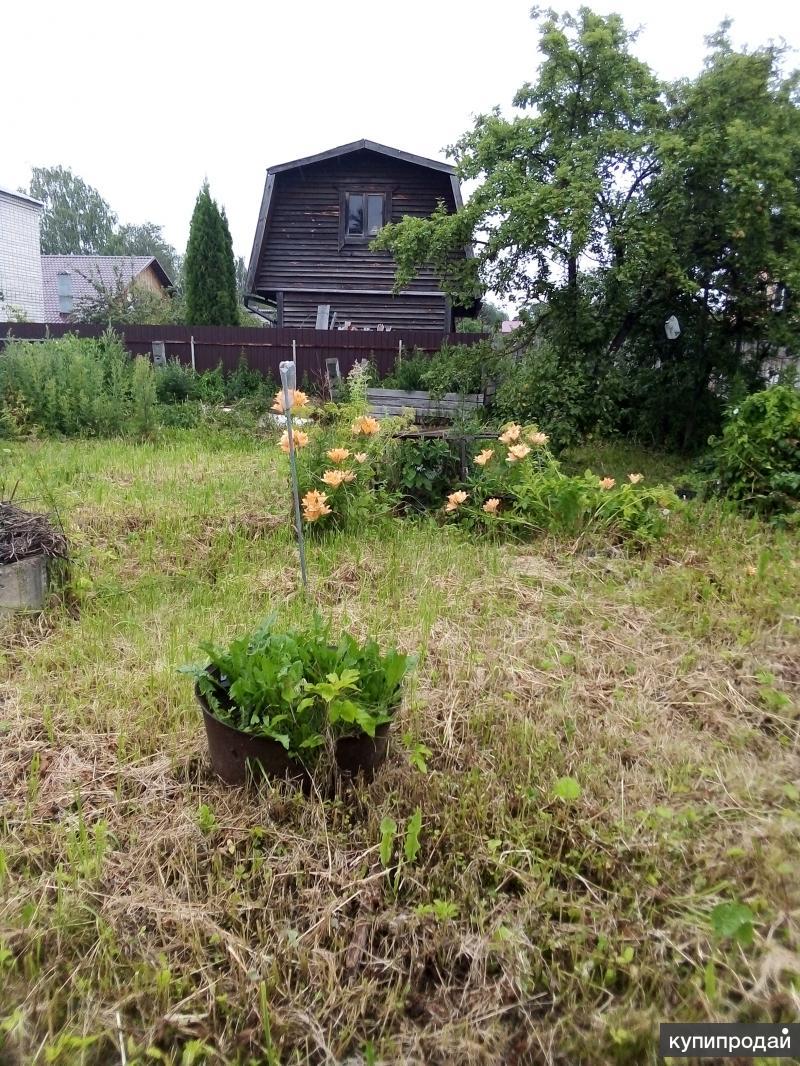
point(144, 100)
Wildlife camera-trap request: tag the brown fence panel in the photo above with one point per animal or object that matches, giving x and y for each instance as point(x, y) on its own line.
point(263, 349)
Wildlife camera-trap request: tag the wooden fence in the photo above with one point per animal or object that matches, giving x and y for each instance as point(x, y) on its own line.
point(263, 349)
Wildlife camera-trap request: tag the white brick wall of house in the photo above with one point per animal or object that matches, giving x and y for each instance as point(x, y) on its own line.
point(20, 261)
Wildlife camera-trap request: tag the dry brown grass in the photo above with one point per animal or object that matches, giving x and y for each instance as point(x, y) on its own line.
point(140, 895)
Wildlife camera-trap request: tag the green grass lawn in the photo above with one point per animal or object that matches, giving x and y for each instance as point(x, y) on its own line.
point(144, 902)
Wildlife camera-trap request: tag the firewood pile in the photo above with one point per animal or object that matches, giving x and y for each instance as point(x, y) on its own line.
point(23, 533)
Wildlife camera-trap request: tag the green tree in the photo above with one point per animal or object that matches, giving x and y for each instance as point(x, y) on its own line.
point(209, 271)
point(560, 184)
point(612, 201)
point(76, 219)
point(728, 195)
point(146, 239)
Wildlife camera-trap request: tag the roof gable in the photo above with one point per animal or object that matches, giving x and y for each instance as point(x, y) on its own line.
point(333, 153)
point(360, 146)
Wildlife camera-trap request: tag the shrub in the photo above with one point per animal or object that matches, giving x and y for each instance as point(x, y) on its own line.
point(421, 471)
point(244, 382)
point(175, 383)
point(73, 386)
point(407, 373)
point(543, 387)
point(461, 368)
point(756, 461)
point(143, 397)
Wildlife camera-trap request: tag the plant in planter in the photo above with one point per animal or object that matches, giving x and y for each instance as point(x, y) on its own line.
point(281, 695)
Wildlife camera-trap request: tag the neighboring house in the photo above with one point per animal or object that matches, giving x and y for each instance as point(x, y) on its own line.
point(20, 265)
point(311, 256)
point(73, 281)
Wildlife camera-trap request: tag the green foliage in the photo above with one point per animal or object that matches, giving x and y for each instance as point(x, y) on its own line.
point(614, 201)
point(206, 819)
point(407, 373)
point(209, 271)
point(76, 219)
point(357, 500)
point(75, 387)
point(536, 496)
point(122, 302)
point(388, 830)
point(146, 239)
point(175, 383)
point(550, 389)
point(295, 685)
point(421, 472)
point(411, 843)
point(143, 418)
point(733, 921)
point(756, 461)
point(567, 789)
point(461, 368)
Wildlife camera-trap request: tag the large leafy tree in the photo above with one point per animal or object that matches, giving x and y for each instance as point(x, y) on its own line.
point(76, 220)
point(560, 185)
point(611, 201)
point(209, 270)
point(146, 239)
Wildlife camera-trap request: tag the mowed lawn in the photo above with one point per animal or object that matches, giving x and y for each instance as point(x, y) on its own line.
point(145, 905)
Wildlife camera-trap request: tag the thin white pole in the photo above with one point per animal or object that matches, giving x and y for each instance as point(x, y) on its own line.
point(288, 381)
point(294, 352)
point(191, 342)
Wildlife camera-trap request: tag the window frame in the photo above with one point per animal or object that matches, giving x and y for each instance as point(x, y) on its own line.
point(365, 191)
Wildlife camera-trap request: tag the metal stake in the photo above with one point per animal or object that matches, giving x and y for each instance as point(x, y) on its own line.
point(289, 381)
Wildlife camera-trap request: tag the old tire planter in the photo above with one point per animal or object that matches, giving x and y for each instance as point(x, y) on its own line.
point(362, 754)
point(238, 757)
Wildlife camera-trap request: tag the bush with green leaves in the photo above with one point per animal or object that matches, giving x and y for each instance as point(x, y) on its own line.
point(297, 686)
point(73, 386)
point(420, 472)
point(756, 460)
point(543, 387)
point(175, 383)
point(462, 368)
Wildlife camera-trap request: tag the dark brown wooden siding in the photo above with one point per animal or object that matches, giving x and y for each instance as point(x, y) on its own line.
point(303, 255)
point(367, 309)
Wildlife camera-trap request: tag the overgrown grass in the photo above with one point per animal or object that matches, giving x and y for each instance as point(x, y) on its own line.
point(141, 900)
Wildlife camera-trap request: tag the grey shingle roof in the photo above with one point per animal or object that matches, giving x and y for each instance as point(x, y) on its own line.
point(88, 272)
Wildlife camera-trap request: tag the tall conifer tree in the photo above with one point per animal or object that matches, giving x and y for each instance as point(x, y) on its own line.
point(209, 271)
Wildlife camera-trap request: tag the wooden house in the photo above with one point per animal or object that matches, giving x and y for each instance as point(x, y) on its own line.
point(311, 257)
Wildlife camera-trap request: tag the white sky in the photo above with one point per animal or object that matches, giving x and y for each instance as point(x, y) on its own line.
point(144, 100)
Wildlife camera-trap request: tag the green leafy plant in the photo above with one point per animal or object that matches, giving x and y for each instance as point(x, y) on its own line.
point(733, 921)
point(388, 830)
point(441, 909)
point(297, 686)
point(420, 472)
point(517, 484)
point(756, 461)
point(567, 789)
point(411, 843)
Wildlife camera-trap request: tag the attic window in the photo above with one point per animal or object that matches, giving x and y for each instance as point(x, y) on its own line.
point(364, 214)
point(65, 295)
